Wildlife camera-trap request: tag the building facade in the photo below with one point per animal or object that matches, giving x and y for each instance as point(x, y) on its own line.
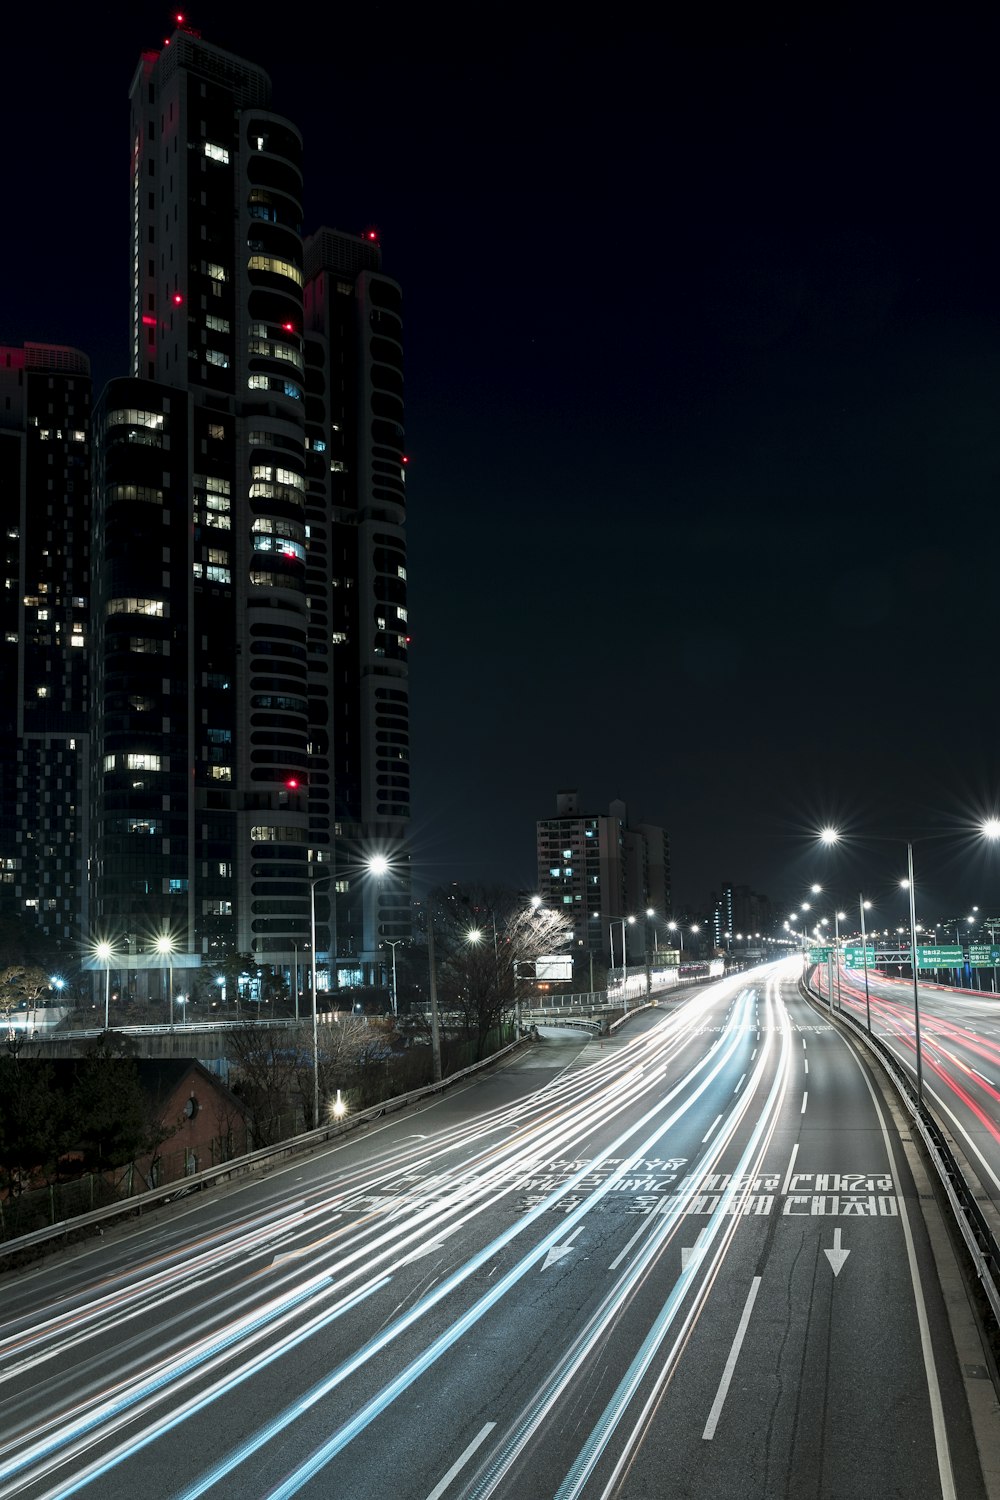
point(599, 872)
point(45, 437)
point(243, 547)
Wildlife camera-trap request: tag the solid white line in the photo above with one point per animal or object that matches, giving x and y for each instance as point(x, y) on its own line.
point(791, 1165)
point(710, 1129)
point(460, 1462)
point(805, 1096)
point(946, 1477)
point(734, 1354)
point(984, 1078)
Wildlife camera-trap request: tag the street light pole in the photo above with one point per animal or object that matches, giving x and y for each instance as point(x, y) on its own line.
point(393, 943)
point(916, 987)
point(435, 1030)
point(314, 880)
point(864, 958)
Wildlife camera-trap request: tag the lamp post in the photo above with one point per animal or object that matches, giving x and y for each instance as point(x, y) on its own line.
point(863, 906)
point(393, 943)
point(295, 980)
point(165, 948)
point(315, 880)
point(432, 993)
point(916, 988)
point(103, 951)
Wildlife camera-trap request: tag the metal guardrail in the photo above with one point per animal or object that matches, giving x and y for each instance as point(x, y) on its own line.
point(251, 1162)
point(976, 1232)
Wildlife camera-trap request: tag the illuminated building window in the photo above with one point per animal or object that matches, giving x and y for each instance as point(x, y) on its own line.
point(133, 492)
point(217, 325)
point(216, 272)
point(216, 153)
point(143, 762)
point(131, 417)
point(276, 267)
point(216, 357)
point(132, 606)
point(221, 773)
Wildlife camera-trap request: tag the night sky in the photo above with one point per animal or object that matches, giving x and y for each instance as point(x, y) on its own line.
point(703, 358)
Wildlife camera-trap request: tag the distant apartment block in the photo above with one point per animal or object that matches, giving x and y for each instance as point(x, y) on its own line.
point(598, 871)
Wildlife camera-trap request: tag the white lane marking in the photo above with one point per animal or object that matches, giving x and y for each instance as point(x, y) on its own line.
point(460, 1462)
point(807, 1064)
point(556, 1252)
point(803, 1044)
point(791, 1168)
point(946, 1477)
point(836, 1256)
point(734, 1354)
point(805, 1096)
point(983, 1077)
point(689, 1251)
point(737, 1088)
point(753, 1054)
point(711, 1129)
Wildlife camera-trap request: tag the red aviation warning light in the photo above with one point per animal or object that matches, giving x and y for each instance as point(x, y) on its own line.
point(292, 784)
point(178, 299)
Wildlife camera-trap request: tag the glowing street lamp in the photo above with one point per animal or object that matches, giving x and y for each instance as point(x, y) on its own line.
point(105, 952)
point(165, 946)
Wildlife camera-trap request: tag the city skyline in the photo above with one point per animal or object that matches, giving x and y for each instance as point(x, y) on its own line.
point(702, 352)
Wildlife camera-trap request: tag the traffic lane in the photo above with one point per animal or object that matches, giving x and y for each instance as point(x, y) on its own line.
point(515, 1354)
point(960, 1068)
point(822, 1375)
point(314, 1346)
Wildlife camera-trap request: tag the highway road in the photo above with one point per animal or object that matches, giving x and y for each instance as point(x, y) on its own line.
point(960, 1050)
point(690, 1261)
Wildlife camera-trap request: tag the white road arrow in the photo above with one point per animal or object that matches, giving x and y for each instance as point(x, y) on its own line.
point(836, 1256)
point(558, 1251)
point(688, 1251)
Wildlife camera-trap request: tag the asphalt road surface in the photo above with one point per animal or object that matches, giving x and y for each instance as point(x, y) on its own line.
point(687, 1261)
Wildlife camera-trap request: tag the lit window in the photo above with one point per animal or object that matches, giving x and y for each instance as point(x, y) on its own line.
point(216, 272)
point(136, 607)
point(41, 692)
point(216, 153)
point(142, 762)
point(276, 267)
point(133, 492)
point(130, 417)
point(217, 325)
point(216, 357)
point(221, 773)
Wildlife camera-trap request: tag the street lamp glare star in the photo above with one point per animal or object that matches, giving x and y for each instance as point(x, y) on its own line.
point(829, 835)
point(378, 865)
point(990, 828)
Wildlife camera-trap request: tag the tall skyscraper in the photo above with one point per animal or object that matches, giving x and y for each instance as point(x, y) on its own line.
point(44, 723)
point(248, 525)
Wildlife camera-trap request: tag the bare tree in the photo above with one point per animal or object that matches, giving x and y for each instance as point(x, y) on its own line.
point(485, 938)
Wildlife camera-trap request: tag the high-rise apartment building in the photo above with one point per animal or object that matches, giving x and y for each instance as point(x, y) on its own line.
point(598, 872)
point(249, 582)
point(45, 424)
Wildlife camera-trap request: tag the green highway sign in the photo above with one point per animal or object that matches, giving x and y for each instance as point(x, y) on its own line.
point(854, 958)
point(819, 955)
point(981, 955)
point(950, 956)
